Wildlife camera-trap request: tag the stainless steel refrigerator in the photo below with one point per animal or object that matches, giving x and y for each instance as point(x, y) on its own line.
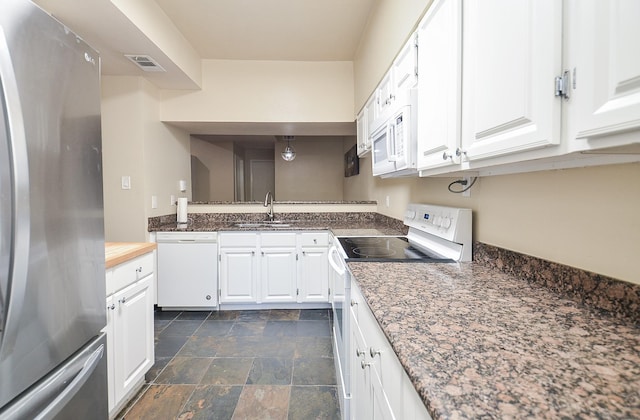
point(52, 291)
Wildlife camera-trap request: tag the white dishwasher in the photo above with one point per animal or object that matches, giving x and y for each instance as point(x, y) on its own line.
point(187, 270)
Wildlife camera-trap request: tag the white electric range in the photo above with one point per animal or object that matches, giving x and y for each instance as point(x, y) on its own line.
point(436, 234)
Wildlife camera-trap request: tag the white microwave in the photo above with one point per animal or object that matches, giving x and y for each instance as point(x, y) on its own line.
point(393, 144)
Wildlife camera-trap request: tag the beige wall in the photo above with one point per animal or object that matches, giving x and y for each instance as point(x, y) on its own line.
point(359, 187)
point(266, 91)
point(317, 172)
point(137, 144)
point(218, 158)
point(585, 218)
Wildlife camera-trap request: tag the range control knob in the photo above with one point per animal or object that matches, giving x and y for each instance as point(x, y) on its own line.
point(446, 222)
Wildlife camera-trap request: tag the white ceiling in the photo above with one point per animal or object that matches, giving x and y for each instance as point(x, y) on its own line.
point(304, 30)
point(297, 30)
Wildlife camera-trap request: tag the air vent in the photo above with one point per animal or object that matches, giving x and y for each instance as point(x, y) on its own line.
point(145, 62)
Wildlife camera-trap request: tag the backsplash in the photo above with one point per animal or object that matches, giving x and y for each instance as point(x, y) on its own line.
point(620, 298)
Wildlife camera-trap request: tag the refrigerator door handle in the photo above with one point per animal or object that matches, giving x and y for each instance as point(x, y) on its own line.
point(77, 372)
point(17, 235)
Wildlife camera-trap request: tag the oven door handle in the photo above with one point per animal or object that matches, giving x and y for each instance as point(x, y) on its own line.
point(333, 252)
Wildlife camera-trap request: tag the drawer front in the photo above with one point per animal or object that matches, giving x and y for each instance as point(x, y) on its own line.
point(122, 275)
point(238, 239)
point(278, 239)
point(314, 239)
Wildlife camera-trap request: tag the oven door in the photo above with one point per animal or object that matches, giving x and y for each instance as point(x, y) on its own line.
point(382, 144)
point(341, 296)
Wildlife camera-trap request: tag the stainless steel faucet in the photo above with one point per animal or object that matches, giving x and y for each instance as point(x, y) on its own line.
point(268, 202)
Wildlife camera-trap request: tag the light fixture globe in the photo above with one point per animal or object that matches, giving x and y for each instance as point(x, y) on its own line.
point(288, 153)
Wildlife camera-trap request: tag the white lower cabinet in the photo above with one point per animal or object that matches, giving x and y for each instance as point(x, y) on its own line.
point(278, 281)
point(274, 267)
point(238, 275)
point(130, 352)
point(380, 387)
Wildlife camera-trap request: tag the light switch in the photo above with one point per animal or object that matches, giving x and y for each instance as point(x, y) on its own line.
point(154, 201)
point(126, 182)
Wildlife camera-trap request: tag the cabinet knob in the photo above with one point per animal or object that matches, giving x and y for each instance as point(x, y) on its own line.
point(364, 364)
point(208, 297)
point(253, 252)
point(123, 300)
point(139, 270)
point(360, 353)
point(315, 241)
point(460, 152)
point(112, 306)
point(353, 302)
point(447, 156)
point(373, 352)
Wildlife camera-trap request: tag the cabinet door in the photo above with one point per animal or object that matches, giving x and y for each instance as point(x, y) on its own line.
point(109, 329)
point(602, 48)
point(381, 407)
point(314, 275)
point(361, 396)
point(439, 93)
point(133, 332)
point(385, 97)
point(511, 54)
point(238, 275)
point(278, 279)
point(405, 68)
point(362, 133)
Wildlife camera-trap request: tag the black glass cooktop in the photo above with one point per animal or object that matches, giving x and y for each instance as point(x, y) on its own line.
point(385, 249)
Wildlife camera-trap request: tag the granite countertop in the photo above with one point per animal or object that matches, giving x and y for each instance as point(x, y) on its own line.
point(478, 343)
point(337, 227)
point(119, 252)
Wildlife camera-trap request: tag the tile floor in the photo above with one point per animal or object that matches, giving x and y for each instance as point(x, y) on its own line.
point(273, 364)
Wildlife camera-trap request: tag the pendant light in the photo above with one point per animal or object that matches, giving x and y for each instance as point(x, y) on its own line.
point(288, 153)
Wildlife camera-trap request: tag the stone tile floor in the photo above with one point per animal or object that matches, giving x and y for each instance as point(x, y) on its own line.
point(271, 364)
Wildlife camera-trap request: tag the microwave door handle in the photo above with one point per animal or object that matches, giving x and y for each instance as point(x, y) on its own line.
point(391, 143)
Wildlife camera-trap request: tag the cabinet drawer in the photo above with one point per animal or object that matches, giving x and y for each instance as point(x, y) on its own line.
point(238, 239)
point(129, 272)
point(314, 239)
point(278, 239)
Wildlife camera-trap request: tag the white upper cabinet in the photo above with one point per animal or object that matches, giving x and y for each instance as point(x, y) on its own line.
point(439, 94)
point(603, 60)
point(365, 119)
point(512, 53)
point(385, 97)
point(405, 68)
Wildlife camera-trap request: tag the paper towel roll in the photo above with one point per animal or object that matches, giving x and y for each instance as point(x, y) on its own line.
point(182, 210)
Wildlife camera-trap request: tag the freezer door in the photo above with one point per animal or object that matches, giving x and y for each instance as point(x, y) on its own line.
point(52, 288)
point(69, 392)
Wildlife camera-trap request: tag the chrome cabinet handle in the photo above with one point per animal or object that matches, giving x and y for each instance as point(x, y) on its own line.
point(373, 352)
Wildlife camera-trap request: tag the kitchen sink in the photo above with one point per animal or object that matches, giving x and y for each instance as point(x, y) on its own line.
point(271, 224)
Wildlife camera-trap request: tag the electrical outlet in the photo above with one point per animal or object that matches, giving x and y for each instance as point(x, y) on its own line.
point(387, 201)
point(126, 182)
point(154, 201)
point(467, 193)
